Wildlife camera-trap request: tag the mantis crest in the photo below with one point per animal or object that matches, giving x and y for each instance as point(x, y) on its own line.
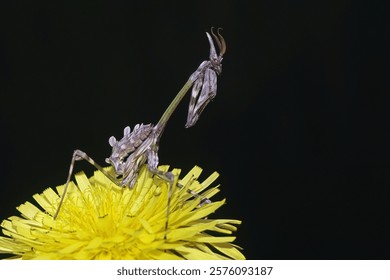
point(141, 145)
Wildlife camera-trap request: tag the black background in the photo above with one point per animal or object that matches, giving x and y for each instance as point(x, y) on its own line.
point(299, 128)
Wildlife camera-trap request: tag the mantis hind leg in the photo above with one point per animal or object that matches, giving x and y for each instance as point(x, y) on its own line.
point(77, 156)
point(153, 160)
point(168, 176)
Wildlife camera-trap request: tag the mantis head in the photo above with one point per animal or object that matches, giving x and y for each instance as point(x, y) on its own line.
point(216, 60)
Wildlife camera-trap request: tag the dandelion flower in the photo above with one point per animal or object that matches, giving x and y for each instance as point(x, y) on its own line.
point(100, 220)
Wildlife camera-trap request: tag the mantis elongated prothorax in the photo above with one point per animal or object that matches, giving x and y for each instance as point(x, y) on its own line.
point(141, 145)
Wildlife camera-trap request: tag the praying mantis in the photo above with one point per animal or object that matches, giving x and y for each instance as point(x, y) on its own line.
point(141, 145)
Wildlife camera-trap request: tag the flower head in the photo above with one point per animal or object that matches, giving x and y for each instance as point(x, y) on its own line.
point(100, 220)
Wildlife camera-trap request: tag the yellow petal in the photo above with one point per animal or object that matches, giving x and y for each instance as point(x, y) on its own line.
point(100, 220)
